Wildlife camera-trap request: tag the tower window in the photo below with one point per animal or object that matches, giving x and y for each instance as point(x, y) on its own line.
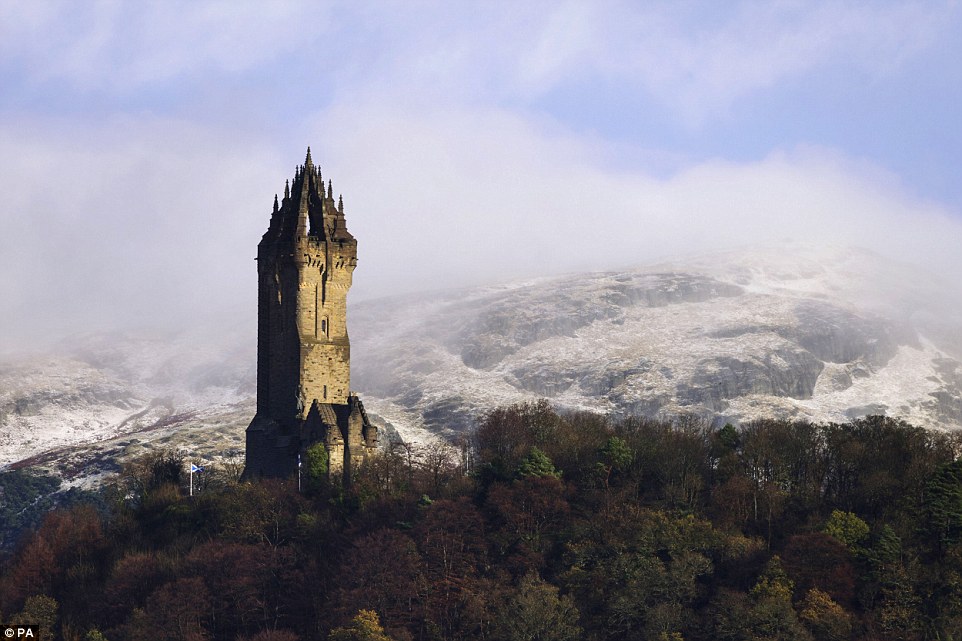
point(325, 392)
point(324, 327)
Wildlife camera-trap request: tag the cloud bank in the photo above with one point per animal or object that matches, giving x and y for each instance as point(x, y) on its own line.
point(143, 145)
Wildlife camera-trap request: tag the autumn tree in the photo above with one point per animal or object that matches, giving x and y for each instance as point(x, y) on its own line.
point(535, 610)
point(366, 626)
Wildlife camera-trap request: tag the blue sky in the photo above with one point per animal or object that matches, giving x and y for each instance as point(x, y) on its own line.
point(142, 142)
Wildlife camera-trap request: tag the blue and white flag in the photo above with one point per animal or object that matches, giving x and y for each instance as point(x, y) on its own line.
point(194, 468)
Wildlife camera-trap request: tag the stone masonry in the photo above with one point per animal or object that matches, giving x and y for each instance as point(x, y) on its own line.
point(305, 265)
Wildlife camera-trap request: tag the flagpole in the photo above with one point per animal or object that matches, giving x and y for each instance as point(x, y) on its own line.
point(192, 478)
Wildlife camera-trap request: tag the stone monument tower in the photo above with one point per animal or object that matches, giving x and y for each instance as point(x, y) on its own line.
point(305, 264)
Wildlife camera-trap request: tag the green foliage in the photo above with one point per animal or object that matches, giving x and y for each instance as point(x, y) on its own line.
point(24, 498)
point(728, 437)
point(40, 610)
point(943, 504)
point(537, 464)
point(771, 615)
point(316, 462)
point(847, 528)
point(366, 626)
point(616, 454)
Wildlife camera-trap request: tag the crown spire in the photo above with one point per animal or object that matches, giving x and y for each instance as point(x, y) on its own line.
point(340, 203)
point(275, 203)
point(330, 190)
point(287, 189)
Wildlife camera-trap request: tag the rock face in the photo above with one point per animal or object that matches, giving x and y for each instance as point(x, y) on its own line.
point(823, 335)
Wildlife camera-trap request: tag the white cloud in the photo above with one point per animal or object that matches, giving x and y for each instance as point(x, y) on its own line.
point(449, 197)
point(699, 65)
point(692, 58)
point(136, 222)
point(153, 221)
point(122, 46)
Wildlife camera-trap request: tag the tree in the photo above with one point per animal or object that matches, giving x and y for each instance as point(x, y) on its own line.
point(506, 434)
point(771, 615)
point(943, 504)
point(825, 618)
point(616, 457)
point(816, 560)
point(132, 579)
point(367, 580)
point(40, 610)
point(536, 612)
point(847, 528)
point(366, 626)
point(151, 472)
point(176, 611)
point(526, 516)
point(537, 464)
point(451, 538)
point(316, 465)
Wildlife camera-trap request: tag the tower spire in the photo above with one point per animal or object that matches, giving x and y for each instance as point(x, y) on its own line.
point(340, 204)
point(330, 190)
point(307, 161)
point(287, 189)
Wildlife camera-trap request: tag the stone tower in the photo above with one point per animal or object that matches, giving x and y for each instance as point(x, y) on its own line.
point(305, 264)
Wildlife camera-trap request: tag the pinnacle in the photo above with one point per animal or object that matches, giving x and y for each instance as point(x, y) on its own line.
point(307, 162)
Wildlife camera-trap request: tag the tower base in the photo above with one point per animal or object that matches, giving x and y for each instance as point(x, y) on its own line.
point(274, 447)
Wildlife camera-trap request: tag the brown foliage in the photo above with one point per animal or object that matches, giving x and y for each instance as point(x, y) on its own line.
point(526, 516)
point(819, 561)
point(382, 572)
point(65, 550)
point(133, 578)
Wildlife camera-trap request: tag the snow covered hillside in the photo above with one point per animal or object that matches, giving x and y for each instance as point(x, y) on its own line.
point(816, 334)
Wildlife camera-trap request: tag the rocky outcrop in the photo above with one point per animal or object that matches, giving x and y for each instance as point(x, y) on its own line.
point(525, 316)
point(736, 336)
point(784, 372)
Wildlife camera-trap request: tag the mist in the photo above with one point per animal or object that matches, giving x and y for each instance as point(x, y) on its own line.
point(137, 180)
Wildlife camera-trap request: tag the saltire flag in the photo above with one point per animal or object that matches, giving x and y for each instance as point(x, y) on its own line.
point(194, 468)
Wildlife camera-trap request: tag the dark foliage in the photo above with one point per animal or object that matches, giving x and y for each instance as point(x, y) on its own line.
point(542, 526)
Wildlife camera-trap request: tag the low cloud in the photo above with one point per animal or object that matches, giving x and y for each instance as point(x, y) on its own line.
point(159, 225)
point(145, 144)
point(467, 196)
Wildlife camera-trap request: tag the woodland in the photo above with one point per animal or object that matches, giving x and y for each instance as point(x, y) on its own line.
point(538, 525)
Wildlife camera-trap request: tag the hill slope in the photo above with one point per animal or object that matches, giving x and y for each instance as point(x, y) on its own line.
point(823, 335)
